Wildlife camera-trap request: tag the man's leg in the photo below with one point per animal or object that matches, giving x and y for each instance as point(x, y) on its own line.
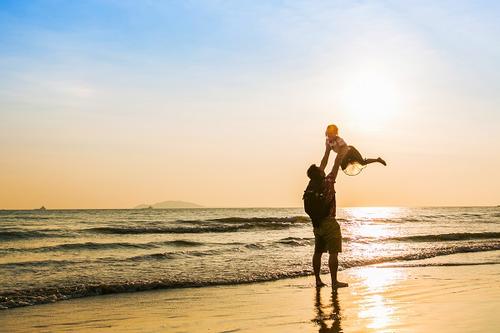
point(333, 263)
point(317, 268)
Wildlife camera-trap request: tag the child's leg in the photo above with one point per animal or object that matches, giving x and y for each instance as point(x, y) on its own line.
point(354, 155)
point(374, 160)
point(370, 160)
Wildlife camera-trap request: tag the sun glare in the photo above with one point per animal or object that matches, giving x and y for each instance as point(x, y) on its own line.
point(370, 99)
point(371, 213)
point(376, 307)
point(366, 220)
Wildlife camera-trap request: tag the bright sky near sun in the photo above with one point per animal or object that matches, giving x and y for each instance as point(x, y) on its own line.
point(109, 104)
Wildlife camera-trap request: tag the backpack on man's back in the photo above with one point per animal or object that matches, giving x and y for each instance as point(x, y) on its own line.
point(315, 202)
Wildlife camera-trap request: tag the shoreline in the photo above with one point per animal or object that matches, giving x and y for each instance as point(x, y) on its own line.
point(32, 298)
point(458, 292)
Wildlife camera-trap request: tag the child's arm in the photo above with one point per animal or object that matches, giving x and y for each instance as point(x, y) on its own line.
point(324, 160)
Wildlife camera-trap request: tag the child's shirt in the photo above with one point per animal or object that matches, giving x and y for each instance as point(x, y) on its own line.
point(337, 144)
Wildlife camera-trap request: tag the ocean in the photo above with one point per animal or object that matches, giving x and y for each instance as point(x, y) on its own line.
point(53, 255)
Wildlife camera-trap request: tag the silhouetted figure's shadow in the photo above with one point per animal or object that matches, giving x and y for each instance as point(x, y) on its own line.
point(323, 317)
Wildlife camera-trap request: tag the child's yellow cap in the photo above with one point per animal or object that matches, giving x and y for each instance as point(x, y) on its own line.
point(332, 130)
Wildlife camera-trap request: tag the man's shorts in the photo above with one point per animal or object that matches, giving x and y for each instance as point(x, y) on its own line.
point(327, 236)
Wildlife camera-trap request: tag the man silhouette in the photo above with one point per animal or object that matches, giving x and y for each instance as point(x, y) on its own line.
point(327, 235)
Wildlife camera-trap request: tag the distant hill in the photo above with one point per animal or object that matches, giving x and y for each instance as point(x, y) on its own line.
point(170, 204)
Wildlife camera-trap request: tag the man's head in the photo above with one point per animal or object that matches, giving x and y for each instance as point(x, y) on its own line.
point(315, 173)
point(332, 131)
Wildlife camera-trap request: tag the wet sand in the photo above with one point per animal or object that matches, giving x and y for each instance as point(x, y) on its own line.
point(456, 293)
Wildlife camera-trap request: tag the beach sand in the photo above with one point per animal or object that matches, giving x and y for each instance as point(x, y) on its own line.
point(456, 293)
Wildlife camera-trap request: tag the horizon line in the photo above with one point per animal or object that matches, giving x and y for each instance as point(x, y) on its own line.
point(245, 207)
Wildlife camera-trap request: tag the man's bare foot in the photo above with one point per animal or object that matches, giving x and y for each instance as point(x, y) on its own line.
point(339, 284)
point(381, 161)
point(320, 284)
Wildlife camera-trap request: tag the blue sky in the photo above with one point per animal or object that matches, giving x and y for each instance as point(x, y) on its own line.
point(114, 90)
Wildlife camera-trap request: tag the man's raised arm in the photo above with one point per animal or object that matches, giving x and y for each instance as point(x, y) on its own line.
point(335, 169)
point(324, 160)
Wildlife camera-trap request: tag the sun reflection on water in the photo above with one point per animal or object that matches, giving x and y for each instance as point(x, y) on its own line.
point(373, 213)
point(377, 311)
point(376, 308)
point(365, 221)
point(378, 279)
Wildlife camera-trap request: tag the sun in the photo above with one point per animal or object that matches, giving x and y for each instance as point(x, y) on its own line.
point(370, 99)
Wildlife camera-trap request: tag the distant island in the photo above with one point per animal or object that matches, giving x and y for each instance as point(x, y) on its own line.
point(169, 204)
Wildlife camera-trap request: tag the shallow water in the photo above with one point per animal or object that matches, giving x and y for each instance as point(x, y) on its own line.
point(47, 256)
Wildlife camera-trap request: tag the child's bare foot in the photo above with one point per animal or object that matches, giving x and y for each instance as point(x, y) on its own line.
point(381, 161)
point(339, 284)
